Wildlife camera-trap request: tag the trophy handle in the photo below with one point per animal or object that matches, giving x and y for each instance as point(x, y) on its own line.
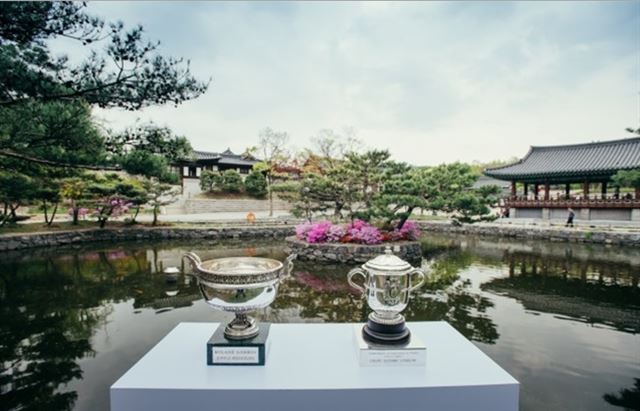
point(352, 274)
point(422, 280)
point(193, 259)
point(288, 264)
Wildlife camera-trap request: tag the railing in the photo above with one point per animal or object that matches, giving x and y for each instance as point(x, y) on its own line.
point(523, 202)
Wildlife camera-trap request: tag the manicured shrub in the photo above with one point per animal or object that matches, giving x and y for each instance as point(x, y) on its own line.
point(231, 181)
point(256, 185)
point(210, 181)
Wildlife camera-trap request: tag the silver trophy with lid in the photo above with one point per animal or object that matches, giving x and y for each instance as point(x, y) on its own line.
point(387, 285)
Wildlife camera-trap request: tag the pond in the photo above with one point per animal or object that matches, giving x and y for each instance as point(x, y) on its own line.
point(563, 319)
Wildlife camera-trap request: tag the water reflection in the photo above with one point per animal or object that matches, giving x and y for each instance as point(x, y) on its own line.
point(54, 302)
point(583, 290)
point(627, 398)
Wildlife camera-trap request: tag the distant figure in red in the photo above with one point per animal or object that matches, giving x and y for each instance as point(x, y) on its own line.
point(572, 214)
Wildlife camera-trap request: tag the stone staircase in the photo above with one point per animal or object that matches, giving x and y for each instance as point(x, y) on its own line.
point(199, 206)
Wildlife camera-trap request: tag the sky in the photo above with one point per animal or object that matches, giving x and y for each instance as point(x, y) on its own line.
point(432, 82)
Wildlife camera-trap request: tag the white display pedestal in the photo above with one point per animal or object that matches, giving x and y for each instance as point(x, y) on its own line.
point(313, 367)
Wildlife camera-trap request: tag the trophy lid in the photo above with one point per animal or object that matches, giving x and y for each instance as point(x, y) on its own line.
point(388, 262)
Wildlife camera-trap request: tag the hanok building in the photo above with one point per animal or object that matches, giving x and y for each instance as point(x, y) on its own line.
point(551, 179)
point(206, 160)
point(190, 169)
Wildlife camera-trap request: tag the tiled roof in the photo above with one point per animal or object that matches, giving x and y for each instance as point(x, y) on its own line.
point(236, 161)
point(226, 157)
point(573, 161)
point(205, 155)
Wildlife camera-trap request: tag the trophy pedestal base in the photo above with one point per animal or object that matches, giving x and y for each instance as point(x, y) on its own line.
point(253, 351)
point(387, 334)
point(412, 353)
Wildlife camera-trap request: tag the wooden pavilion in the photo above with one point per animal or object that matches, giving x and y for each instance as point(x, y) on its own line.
point(551, 179)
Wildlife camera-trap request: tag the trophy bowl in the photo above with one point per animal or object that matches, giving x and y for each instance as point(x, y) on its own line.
point(387, 286)
point(240, 285)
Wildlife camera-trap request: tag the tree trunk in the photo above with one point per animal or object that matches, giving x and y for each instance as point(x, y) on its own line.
point(270, 197)
point(75, 211)
point(133, 219)
point(44, 207)
point(155, 215)
point(53, 214)
point(404, 219)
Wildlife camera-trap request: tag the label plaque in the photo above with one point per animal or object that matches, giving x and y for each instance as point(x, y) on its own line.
point(235, 355)
point(222, 351)
point(413, 354)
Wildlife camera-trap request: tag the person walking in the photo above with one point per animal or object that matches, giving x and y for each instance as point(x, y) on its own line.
point(572, 214)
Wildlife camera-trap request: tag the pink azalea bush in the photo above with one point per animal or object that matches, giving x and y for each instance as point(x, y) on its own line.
point(364, 233)
point(409, 231)
point(358, 231)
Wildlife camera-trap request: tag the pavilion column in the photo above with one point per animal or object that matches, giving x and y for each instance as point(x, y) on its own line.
point(637, 193)
point(513, 189)
point(617, 193)
point(585, 189)
point(536, 188)
point(604, 190)
point(547, 188)
point(567, 190)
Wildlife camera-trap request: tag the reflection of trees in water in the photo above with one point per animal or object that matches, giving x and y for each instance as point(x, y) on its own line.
point(322, 292)
point(590, 291)
point(627, 398)
point(49, 309)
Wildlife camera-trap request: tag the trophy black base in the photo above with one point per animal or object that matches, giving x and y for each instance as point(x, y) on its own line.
point(391, 334)
point(252, 351)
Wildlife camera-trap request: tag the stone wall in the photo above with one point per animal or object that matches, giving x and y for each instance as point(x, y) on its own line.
point(351, 253)
point(560, 234)
point(52, 239)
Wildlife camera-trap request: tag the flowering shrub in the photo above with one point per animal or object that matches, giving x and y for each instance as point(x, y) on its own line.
point(318, 232)
point(302, 230)
point(409, 231)
point(362, 232)
point(358, 231)
point(335, 233)
point(110, 207)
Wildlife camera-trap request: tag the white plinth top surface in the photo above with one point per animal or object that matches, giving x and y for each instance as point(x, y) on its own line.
point(304, 360)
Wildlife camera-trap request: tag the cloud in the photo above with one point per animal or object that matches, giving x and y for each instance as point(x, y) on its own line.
point(433, 82)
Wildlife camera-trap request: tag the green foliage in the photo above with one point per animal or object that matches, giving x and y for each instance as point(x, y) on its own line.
point(158, 195)
point(127, 73)
point(255, 184)
point(15, 190)
point(365, 173)
point(211, 181)
point(372, 187)
point(627, 178)
point(147, 164)
point(57, 134)
point(403, 191)
point(152, 139)
point(232, 181)
point(46, 128)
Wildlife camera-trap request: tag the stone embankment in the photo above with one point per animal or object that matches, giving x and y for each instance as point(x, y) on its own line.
point(558, 234)
point(52, 239)
point(334, 252)
point(351, 253)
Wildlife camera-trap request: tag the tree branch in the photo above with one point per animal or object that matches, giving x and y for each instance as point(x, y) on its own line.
point(12, 154)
